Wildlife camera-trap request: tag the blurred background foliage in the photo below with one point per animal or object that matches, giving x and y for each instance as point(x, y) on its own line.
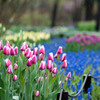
point(39, 12)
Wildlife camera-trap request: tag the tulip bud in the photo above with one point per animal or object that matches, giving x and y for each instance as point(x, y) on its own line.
point(42, 65)
point(66, 79)
point(12, 52)
point(15, 78)
point(8, 44)
point(54, 70)
point(45, 74)
point(23, 47)
point(34, 59)
point(40, 57)
point(27, 51)
point(64, 65)
point(9, 69)
point(35, 51)
point(42, 50)
point(23, 53)
point(29, 62)
point(56, 55)
point(16, 50)
point(63, 57)
point(69, 75)
point(15, 66)
point(30, 54)
point(49, 65)
point(6, 50)
point(7, 62)
point(60, 82)
point(53, 75)
point(51, 56)
point(59, 50)
point(45, 77)
point(37, 94)
point(1, 45)
point(40, 79)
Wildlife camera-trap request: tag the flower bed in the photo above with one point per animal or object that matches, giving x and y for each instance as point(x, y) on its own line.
point(29, 37)
point(82, 42)
point(78, 64)
point(23, 76)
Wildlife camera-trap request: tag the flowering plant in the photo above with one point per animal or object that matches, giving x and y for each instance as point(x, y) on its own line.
point(29, 37)
point(82, 42)
point(27, 74)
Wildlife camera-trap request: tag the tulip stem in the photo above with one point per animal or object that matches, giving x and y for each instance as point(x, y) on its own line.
point(48, 78)
point(39, 88)
point(60, 70)
point(24, 83)
point(58, 61)
point(63, 74)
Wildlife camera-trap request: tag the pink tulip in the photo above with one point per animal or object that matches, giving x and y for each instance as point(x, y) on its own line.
point(29, 62)
point(60, 82)
point(40, 57)
point(35, 51)
point(69, 75)
point(30, 54)
point(9, 69)
point(40, 79)
point(56, 55)
point(42, 65)
point(34, 59)
point(44, 73)
point(66, 79)
point(82, 44)
point(12, 52)
point(7, 62)
point(70, 40)
point(15, 78)
point(23, 47)
point(37, 94)
point(45, 77)
point(54, 70)
point(64, 65)
point(51, 56)
point(1, 45)
point(53, 75)
point(16, 50)
point(42, 50)
point(27, 51)
point(49, 65)
point(23, 53)
point(8, 44)
point(6, 50)
point(59, 50)
point(63, 57)
point(15, 66)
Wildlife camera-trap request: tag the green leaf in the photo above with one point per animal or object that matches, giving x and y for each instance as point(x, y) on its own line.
point(22, 81)
point(2, 93)
point(1, 83)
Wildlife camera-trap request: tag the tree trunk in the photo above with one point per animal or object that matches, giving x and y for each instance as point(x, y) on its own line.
point(89, 9)
point(54, 13)
point(98, 17)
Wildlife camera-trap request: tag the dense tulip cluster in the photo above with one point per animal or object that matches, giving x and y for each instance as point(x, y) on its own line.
point(24, 68)
point(85, 39)
point(8, 50)
point(81, 42)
